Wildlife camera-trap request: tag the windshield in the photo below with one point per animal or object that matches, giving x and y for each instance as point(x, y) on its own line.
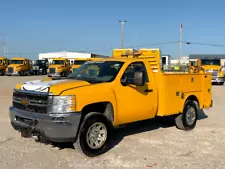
point(79, 62)
point(17, 62)
point(40, 62)
point(210, 62)
point(0, 62)
point(58, 62)
point(95, 72)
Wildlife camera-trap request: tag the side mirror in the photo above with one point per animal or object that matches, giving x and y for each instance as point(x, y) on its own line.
point(139, 79)
point(124, 81)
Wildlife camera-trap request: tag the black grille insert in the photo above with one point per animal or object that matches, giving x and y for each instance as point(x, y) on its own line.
point(30, 102)
point(51, 70)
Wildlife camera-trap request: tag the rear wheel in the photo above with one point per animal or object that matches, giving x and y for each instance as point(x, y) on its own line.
point(221, 83)
point(188, 119)
point(94, 135)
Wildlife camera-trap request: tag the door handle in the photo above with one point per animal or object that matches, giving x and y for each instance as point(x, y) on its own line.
point(148, 90)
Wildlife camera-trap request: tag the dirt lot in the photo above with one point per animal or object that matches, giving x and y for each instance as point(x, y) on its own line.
point(152, 146)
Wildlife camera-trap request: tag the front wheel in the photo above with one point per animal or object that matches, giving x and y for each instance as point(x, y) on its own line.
point(221, 83)
point(94, 135)
point(188, 119)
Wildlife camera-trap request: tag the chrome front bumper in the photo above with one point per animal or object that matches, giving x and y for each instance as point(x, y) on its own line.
point(54, 74)
point(12, 73)
point(217, 79)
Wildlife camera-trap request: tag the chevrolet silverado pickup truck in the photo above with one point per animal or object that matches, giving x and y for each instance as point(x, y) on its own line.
point(84, 107)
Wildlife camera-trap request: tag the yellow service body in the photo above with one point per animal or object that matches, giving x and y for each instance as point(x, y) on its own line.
point(4, 62)
point(75, 103)
point(19, 66)
point(60, 67)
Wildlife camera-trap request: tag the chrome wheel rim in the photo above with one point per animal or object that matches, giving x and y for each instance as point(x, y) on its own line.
point(190, 115)
point(96, 135)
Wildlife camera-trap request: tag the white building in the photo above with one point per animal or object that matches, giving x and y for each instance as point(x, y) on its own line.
point(69, 55)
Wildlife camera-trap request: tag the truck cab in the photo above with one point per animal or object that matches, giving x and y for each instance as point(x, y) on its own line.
point(4, 62)
point(40, 67)
point(60, 67)
point(19, 67)
point(213, 66)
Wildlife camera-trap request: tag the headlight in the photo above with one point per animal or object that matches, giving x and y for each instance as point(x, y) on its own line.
point(62, 104)
point(220, 75)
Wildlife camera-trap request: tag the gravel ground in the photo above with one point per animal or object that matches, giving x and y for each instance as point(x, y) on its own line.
point(154, 145)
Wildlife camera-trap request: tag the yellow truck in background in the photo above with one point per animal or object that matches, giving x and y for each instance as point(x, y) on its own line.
point(213, 65)
point(195, 67)
point(4, 62)
point(84, 107)
point(60, 67)
point(80, 61)
point(77, 63)
point(19, 67)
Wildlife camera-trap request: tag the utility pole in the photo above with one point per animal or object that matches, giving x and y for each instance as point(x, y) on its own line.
point(122, 24)
point(181, 40)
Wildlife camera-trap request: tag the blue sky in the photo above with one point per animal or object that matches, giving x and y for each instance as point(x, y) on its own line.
point(32, 27)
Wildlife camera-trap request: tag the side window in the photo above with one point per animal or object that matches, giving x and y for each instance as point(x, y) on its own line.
point(25, 62)
point(131, 69)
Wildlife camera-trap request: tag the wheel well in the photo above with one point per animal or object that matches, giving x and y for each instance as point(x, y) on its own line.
point(105, 108)
point(192, 98)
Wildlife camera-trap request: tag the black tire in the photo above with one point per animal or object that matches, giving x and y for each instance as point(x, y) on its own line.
point(63, 74)
point(82, 144)
point(181, 120)
point(221, 83)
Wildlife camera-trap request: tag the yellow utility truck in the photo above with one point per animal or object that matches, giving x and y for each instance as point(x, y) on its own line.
point(60, 67)
point(19, 67)
point(213, 65)
point(4, 62)
point(84, 107)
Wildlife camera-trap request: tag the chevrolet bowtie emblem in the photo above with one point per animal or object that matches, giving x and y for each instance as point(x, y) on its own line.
point(24, 101)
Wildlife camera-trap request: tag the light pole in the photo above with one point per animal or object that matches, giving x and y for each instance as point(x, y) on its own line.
point(181, 40)
point(122, 24)
point(4, 48)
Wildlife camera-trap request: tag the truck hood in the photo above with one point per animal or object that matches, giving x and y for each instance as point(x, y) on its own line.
point(56, 66)
point(15, 65)
point(52, 86)
point(2, 67)
point(211, 67)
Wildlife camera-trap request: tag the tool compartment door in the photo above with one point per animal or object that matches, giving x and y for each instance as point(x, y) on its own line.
point(207, 90)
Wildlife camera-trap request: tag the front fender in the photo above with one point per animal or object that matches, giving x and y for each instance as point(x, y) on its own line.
point(94, 93)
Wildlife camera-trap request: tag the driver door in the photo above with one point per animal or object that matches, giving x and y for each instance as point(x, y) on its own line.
point(135, 102)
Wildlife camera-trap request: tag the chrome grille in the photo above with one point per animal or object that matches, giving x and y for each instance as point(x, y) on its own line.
point(215, 72)
point(10, 69)
point(34, 103)
point(51, 70)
